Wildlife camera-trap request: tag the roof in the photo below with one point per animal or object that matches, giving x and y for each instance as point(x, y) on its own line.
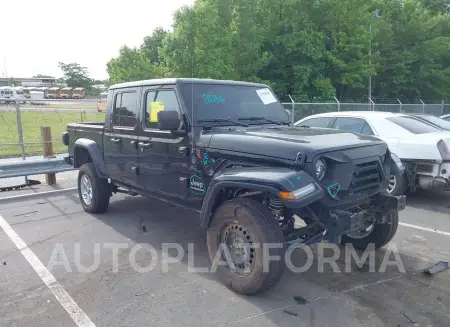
point(368, 114)
point(163, 81)
point(421, 114)
point(29, 79)
point(79, 88)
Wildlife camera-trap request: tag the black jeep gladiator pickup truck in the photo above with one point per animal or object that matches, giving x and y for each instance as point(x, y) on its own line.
point(226, 150)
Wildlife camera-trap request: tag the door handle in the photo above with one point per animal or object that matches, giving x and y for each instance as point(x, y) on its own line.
point(116, 141)
point(144, 145)
point(182, 150)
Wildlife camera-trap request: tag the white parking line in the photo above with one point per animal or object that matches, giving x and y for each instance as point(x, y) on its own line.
point(425, 229)
point(77, 315)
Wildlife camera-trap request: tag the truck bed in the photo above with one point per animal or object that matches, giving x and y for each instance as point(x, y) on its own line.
point(88, 130)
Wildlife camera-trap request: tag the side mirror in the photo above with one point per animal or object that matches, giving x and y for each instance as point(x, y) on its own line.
point(168, 120)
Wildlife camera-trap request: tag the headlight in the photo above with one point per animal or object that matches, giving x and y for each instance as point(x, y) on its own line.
point(298, 193)
point(321, 169)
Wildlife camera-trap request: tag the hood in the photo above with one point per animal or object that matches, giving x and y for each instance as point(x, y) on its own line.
point(286, 142)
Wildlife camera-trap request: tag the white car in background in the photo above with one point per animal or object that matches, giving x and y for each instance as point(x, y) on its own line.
point(423, 149)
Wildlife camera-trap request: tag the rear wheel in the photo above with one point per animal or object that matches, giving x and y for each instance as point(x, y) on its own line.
point(373, 233)
point(94, 192)
point(246, 233)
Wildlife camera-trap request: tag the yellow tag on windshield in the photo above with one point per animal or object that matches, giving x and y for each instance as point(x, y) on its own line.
point(155, 107)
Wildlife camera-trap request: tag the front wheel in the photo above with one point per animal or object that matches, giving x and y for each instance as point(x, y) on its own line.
point(251, 246)
point(94, 192)
point(373, 233)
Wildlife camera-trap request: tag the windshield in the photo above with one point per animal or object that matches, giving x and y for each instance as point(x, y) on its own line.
point(19, 92)
point(76, 91)
point(52, 91)
point(437, 121)
point(231, 103)
point(413, 124)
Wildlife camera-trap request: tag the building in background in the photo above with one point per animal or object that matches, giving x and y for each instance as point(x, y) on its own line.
point(28, 82)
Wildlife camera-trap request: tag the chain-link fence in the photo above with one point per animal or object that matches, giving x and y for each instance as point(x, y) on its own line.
point(301, 110)
point(56, 114)
point(23, 121)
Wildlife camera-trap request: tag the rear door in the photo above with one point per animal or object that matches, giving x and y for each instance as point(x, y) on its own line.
point(163, 157)
point(120, 138)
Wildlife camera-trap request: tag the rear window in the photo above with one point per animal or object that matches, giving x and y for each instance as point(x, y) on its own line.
point(437, 121)
point(413, 125)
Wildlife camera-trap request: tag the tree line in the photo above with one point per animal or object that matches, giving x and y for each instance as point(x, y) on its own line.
point(76, 75)
point(313, 50)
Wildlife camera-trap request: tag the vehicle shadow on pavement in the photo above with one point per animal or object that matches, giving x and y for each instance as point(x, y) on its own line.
point(346, 295)
point(429, 200)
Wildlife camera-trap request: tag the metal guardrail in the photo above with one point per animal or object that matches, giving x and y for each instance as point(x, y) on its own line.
point(32, 167)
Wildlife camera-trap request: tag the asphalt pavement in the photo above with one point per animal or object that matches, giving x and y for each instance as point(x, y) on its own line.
point(58, 268)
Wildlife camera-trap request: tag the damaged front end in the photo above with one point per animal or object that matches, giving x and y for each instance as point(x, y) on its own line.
point(324, 224)
point(351, 206)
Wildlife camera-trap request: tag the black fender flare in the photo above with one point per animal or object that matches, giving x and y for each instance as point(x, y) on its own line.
point(267, 179)
point(93, 148)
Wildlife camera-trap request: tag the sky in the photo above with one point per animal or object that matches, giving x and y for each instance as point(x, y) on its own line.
point(41, 33)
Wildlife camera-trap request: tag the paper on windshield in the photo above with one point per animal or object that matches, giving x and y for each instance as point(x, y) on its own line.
point(155, 107)
point(266, 96)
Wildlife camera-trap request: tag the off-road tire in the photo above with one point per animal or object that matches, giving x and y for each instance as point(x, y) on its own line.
point(100, 190)
point(264, 229)
point(381, 235)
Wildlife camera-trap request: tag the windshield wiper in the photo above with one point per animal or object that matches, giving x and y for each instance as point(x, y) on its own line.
point(263, 118)
point(221, 120)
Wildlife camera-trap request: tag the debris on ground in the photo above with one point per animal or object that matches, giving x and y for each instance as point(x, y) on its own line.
point(437, 268)
point(300, 300)
point(290, 312)
point(25, 213)
point(410, 317)
point(4, 263)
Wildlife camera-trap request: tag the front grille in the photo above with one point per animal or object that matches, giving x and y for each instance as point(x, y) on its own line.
point(366, 177)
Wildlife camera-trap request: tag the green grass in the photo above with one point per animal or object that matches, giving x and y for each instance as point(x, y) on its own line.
point(31, 124)
point(78, 106)
point(61, 105)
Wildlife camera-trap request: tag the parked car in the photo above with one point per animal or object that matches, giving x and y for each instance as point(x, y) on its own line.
point(422, 147)
point(434, 120)
point(227, 151)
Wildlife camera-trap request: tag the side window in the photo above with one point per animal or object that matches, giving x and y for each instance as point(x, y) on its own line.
point(366, 130)
point(125, 109)
point(316, 122)
point(157, 101)
point(354, 125)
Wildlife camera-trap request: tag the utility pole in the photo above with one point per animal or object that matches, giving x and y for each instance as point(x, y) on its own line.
point(374, 15)
point(4, 66)
point(370, 61)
